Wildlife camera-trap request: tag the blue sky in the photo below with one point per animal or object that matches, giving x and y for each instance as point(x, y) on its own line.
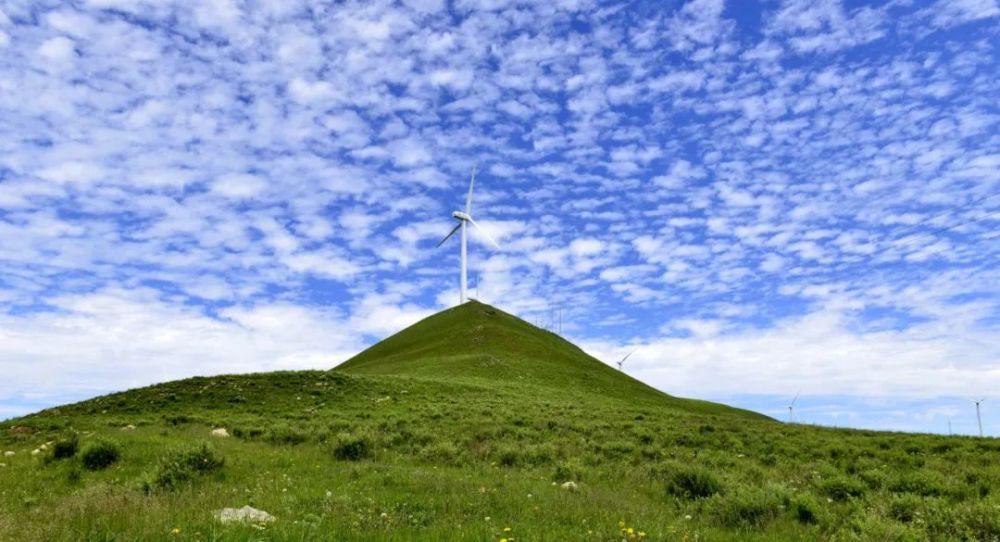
point(756, 198)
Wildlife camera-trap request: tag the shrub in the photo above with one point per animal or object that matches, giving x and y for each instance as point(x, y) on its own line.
point(919, 483)
point(352, 449)
point(183, 466)
point(692, 483)
point(748, 507)
point(567, 472)
point(100, 455)
point(73, 476)
point(508, 456)
point(806, 509)
point(841, 488)
point(905, 507)
point(65, 448)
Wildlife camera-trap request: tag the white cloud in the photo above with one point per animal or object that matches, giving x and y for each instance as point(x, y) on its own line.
point(239, 185)
point(114, 339)
point(309, 92)
point(819, 354)
point(948, 13)
point(57, 51)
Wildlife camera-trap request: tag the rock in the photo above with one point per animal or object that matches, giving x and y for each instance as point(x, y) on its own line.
point(569, 486)
point(9, 453)
point(36, 451)
point(128, 427)
point(220, 432)
point(247, 513)
point(2, 465)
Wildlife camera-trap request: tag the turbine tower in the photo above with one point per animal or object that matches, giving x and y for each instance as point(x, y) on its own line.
point(978, 417)
point(463, 218)
point(791, 408)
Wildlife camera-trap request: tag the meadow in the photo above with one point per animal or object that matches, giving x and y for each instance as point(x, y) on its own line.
point(473, 425)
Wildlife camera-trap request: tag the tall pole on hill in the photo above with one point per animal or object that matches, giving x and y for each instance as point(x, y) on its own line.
point(464, 218)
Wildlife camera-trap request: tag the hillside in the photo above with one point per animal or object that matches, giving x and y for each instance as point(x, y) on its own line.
point(474, 425)
point(478, 344)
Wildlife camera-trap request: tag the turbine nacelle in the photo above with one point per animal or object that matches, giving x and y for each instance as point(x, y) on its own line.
point(461, 216)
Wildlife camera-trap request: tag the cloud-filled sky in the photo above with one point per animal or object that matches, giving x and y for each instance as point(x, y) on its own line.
point(757, 198)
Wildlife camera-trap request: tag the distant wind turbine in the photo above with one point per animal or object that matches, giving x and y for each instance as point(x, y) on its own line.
point(979, 418)
point(622, 362)
point(463, 218)
point(791, 408)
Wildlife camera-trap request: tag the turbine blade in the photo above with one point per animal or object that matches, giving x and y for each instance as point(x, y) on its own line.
point(452, 232)
point(796, 398)
point(468, 199)
point(486, 235)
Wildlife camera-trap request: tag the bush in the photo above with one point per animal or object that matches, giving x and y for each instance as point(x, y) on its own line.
point(100, 455)
point(567, 472)
point(806, 509)
point(183, 466)
point(73, 476)
point(748, 508)
point(919, 483)
point(508, 456)
point(905, 507)
point(692, 483)
point(352, 449)
point(65, 448)
point(841, 488)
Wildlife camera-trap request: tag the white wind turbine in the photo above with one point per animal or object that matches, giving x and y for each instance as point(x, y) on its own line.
point(791, 408)
point(978, 417)
point(622, 362)
point(463, 218)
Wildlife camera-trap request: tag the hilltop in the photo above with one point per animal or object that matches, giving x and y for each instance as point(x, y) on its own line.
point(481, 345)
point(460, 427)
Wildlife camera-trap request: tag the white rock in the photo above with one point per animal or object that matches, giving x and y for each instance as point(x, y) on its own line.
point(36, 451)
point(569, 486)
point(2, 465)
point(247, 513)
point(220, 432)
point(128, 427)
point(9, 453)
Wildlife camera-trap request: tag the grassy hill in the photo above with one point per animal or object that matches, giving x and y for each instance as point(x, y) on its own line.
point(482, 346)
point(463, 426)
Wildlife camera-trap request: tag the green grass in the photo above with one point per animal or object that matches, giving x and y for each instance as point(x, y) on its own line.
point(463, 425)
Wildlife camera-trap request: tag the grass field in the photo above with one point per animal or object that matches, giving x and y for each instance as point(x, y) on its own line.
point(474, 425)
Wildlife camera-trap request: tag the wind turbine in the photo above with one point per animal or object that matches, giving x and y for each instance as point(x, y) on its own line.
point(978, 417)
point(622, 362)
point(463, 218)
point(791, 408)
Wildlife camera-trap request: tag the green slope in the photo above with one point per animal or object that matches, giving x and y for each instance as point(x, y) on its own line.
point(481, 345)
